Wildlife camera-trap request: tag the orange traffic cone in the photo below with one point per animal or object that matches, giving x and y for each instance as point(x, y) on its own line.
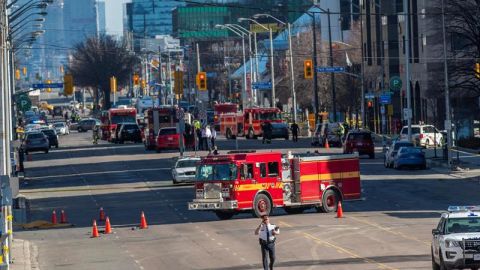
point(143, 221)
point(339, 210)
point(95, 229)
point(102, 214)
point(63, 217)
point(54, 217)
point(326, 144)
point(108, 227)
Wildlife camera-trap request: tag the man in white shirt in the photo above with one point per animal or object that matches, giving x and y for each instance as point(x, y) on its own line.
point(266, 236)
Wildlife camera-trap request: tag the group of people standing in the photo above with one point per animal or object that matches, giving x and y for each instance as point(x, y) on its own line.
point(206, 136)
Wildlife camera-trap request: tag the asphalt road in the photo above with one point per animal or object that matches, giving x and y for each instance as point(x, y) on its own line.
point(389, 229)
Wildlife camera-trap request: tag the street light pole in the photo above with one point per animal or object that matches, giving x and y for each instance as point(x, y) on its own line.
point(407, 68)
point(332, 75)
point(448, 120)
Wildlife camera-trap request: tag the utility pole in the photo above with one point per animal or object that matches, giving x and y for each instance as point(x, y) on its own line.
point(294, 94)
point(448, 120)
point(332, 75)
point(315, 80)
point(407, 68)
point(362, 98)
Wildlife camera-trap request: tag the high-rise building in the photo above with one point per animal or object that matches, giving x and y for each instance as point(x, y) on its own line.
point(79, 20)
point(101, 24)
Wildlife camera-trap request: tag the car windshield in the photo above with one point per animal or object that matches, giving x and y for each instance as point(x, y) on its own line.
point(398, 145)
point(59, 125)
point(270, 116)
point(463, 225)
point(35, 136)
point(186, 163)
point(131, 127)
point(167, 131)
point(123, 118)
point(415, 130)
point(222, 172)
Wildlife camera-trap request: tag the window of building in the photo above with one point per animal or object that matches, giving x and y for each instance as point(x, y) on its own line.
point(263, 170)
point(273, 169)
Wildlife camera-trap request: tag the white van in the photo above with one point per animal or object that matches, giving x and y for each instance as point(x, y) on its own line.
point(423, 135)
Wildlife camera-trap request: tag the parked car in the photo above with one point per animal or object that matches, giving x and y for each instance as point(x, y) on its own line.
point(61, 128)
point(87, 124)
point(52, 137)
point(392, 152)
point(35, 141)
point(280, 130)
point(410, 157)
point(423, 135)
point(168, 138)
point(359, 141)
point(184, 170)
point(128, 132)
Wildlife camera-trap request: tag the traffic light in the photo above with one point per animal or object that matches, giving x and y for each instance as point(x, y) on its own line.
point(144, 84)
point(49, 90)
point(24, 69)
point(113, 84)
point(369, 104)
point(308, 69)
point(477, 70)
point(68, 85)
point(136, 79)
point(17, 74)
point(202, 81)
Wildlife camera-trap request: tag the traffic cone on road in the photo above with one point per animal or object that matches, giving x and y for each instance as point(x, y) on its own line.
point(95, 229)
point(143, 221)
point(102, 214)
point(63, 217)
point(327, 146)
point(108, 227)
point(339, 210)
point(54, 217)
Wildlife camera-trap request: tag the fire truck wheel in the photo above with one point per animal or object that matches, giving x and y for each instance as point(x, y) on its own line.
point(329, 202)
point(223, 215)
point(262, 205)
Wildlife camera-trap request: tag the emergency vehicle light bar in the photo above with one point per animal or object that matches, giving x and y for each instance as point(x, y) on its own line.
point(465, 208)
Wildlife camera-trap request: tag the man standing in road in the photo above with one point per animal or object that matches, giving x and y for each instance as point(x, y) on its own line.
point(295, 130)
point(266, 236)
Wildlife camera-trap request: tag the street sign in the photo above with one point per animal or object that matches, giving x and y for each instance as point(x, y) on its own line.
point(395, 83)
point(330, 69)
point(47, 85)
point(407, 113)
point(385, 99)
point(24, 103)
point(262, 85)
point(369, 96)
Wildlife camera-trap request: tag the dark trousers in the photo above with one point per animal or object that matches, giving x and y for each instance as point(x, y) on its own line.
point(294, 137)
point(270, 248)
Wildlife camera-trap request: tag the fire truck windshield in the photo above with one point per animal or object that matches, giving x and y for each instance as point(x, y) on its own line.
point(222, 172)
point(270, 116)
point(123, 119)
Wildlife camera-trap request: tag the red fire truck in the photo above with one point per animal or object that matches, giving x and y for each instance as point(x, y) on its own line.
point(248, 123)
point(258, 182)
point(114, 116)
point(222, 108)
point(155, 119)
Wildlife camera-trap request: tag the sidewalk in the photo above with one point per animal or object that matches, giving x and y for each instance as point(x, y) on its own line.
point(23, 255)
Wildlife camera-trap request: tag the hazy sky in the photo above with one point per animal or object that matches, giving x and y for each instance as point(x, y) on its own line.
point(114, 14)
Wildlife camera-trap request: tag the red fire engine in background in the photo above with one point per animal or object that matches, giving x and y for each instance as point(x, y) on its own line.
point(236, 182)
point(220, 109)
point(248, 123)
point(114, 116)
point(155, 119)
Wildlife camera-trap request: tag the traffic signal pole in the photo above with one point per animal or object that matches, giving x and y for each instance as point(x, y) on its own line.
point(448, 120)
point(315, 80)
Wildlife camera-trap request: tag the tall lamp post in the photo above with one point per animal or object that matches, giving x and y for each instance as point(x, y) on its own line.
point(292, 72)
point(272, 66)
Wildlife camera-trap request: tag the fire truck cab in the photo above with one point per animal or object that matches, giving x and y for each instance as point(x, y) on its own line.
point(114, 116)
point(248, 123)
point(258, 182)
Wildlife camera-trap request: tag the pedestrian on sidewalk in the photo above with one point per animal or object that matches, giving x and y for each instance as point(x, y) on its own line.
point(214, 136)
point(295, 130)
point(208, 139)
point(203, 143)
point(266, 237)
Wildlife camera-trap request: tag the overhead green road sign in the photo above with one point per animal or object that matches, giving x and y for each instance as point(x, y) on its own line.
point(395, 83)
point(24, 103)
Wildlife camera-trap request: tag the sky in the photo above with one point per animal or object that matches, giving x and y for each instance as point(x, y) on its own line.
point(114, 14)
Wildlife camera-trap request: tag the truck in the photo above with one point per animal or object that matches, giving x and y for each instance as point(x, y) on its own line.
point(258, 182)
point(155, 119)
point(220, 109)
point(248, 123)
point(109, 120)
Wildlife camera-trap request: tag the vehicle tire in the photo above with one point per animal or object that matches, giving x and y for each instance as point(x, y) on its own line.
point(442, 263)
point(228, 134)
point(46, 151)
point(286, 138)
point(262, 205)
point(330, 201)
point(371, 156)
point(79, 129)
point(435, 265)
point(56, 145)
point(224, 215)
point(296, 210)
point(423, 167)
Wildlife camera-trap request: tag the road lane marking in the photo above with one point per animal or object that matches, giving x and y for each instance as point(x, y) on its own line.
point(340, 249)
point(96, 173)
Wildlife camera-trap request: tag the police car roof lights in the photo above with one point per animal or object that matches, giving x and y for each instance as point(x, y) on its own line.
point(465, 208)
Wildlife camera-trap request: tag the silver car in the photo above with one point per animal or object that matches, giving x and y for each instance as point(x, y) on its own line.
point(184, 170)
point(36, 141)
point(61, 128)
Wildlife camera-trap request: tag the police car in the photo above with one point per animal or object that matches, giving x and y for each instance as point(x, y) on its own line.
point(456, 240)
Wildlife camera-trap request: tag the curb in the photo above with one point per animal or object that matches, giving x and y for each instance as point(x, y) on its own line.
point(468, 150)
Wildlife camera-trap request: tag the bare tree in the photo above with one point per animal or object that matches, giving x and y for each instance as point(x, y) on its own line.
point(96, 60)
